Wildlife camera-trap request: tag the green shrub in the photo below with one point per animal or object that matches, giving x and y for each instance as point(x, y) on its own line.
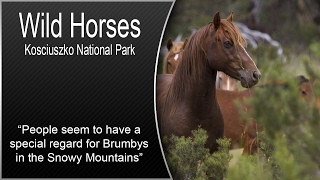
point(250, 168)
point(315, 49)
point(289, 144)
point(189, 159)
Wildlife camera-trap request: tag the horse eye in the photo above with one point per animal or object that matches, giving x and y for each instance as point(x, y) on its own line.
point(228, 44)
point(303, 93)
point(169, 63)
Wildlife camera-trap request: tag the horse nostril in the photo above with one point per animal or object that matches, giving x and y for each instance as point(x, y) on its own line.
point(256, 76)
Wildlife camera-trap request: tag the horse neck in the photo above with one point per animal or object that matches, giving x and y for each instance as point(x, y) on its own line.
point(203, 94)
point(194, 86)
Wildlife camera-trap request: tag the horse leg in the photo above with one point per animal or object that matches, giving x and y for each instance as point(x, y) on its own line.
point(212, 139)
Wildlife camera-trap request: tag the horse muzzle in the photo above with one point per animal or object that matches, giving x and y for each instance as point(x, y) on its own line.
point(249, 78)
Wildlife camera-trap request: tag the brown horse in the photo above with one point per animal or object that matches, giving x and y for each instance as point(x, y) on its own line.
point(234, 127)
point(246, 132)
point(187, 99)
point(173, 56)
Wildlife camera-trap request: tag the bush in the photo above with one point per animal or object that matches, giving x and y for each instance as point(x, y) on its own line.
point(289, 144)
point(250, 168)
point(189, 159)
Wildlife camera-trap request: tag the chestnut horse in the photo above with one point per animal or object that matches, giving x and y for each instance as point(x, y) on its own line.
point(173, 56)
point(187, 98)
point(246, 132)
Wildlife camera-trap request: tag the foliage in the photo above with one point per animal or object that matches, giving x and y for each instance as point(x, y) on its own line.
point(289, 143)
point(291, 21)
point(294, 23)
point(189, 159)
point(315, 49)
point(250, 168)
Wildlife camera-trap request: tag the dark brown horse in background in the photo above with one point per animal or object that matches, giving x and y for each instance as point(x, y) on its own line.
point(187, 99)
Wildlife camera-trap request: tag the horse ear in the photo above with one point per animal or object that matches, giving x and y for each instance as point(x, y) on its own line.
point(169, 44)
point(185, 42)
point(230, 17)
point(216, 20)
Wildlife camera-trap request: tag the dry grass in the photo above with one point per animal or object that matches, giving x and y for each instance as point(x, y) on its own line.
point(236, 153)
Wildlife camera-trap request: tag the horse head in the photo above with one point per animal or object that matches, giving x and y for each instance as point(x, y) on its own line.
point(225, 52)
point(175, 50)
